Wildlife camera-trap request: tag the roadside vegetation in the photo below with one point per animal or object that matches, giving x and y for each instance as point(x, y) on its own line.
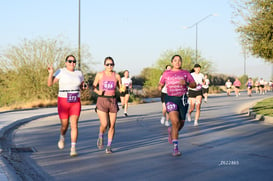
point(23, 67)
point(23, 74)
point(264, 107)
point(253, 21)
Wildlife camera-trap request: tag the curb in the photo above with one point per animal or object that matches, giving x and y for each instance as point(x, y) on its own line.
point(248, 109)
point(259, 117)
point(7, 173)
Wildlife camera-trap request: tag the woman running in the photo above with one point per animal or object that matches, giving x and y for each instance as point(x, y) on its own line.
point(107, 106)
point(195, 94)
point(261, 85)
point(69, 104)
point(257, 86)
point(176, 81)
point(249, 85)
point(205, 88)
point(237, 85)
point(228, 86)
point(126, 87)
point(165, 117)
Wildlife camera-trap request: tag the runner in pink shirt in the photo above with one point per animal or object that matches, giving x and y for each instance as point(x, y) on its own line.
point(177, 81)
point(237, 85)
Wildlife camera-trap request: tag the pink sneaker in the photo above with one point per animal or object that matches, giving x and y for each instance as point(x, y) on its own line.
point(176, 152)
point(170, 135)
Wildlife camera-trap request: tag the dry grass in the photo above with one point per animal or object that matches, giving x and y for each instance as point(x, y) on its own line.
point(35, 104)
point(30, 105)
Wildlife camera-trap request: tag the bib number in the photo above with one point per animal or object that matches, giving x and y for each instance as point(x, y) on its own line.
point(199, 87)
point(108, 85)
point(72, 97)
point(170, 106)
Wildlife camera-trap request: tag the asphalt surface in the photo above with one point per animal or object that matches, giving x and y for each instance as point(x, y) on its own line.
point(227, 145)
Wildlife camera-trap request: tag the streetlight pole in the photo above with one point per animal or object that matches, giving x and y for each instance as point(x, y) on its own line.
point(79, 37)
point(244, 62)
point(196, 36)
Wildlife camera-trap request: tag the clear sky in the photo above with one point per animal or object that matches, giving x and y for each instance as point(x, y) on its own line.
point(134, 32)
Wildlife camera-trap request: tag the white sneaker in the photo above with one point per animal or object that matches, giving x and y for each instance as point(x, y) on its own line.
point(189, 117)
point(167, 123)
point(195, 123)
point(61, 144)
point(73, 151)
point(162, 121)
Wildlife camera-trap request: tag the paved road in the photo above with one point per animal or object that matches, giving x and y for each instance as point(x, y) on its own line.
point(226, 145)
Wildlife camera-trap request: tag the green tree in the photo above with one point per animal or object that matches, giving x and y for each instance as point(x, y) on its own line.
point(188, 56)
point(243, 79)
point(253, 19)
point(151, 75)
point(23, 69)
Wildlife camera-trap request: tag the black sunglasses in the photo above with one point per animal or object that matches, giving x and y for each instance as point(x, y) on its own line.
point(109, 64)
point(70, 61)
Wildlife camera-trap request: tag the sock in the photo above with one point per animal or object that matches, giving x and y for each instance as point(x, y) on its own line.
point(109, 143)
point(175, 144)
point(100, 135)
point(73, 144)
point(61, 137)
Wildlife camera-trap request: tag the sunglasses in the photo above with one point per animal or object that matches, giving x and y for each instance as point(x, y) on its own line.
point(70, 61)
point(109, 64)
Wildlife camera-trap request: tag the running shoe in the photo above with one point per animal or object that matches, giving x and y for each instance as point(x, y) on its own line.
point(189, 117)
point(125, 114)
point(167, 123)
point(170, 135)
point(108, 150)
point(100, 143)
point(195, 123)
point(176, 152)
point(162, 121)
point(73, 151)
point(61, 144)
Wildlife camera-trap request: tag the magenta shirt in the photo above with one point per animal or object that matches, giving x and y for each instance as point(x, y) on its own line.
point(172, 81)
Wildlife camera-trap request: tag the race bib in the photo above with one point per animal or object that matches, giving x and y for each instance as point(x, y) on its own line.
point(108, 85)
point(72, 97)
point(170, 106)
point(199, 87)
